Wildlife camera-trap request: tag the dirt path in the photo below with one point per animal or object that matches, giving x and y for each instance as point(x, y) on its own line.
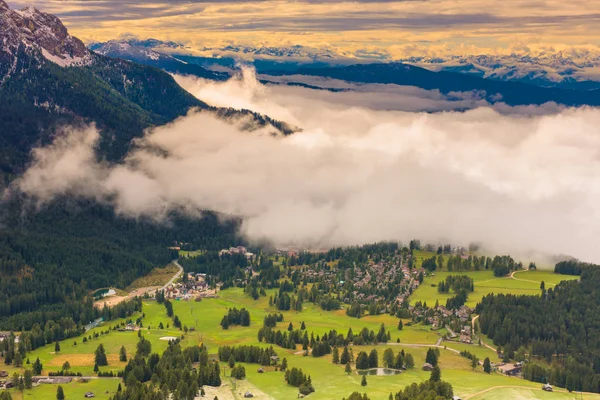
point(114, 300)
point(522, 387)
point(473, 330)
point(512, 276)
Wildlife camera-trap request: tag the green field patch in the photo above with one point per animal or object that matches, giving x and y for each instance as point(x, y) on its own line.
point(156, 277)
point(103, 388)
point(190, 253)
point(205, 316)
point(526, 282)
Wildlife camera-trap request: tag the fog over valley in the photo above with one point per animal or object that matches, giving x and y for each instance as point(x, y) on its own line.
point(516, 180)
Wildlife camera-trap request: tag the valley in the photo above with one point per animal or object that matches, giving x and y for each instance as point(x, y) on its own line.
point(261, 204)
point(200, 323)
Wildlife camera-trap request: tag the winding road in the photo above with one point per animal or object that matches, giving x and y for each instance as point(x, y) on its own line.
point(175, 277)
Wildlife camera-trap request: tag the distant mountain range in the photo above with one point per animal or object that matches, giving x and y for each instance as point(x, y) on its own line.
point(552, 70)
point(529, 88)
point(142, 52)
point(578, 72)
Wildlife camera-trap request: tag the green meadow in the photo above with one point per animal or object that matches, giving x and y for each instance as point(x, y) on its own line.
point(330, 380)
point(523, 282)
point(206, 315)
point(103, 388)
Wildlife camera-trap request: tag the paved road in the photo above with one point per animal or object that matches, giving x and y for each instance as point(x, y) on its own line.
point(175, 277)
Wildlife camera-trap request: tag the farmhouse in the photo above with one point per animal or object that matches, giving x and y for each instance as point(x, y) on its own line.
point(511, 369)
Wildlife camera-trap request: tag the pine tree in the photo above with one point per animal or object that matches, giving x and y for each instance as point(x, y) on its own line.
point(388, 358)
point(100, 355)
point(348, 368)
point(57, 347)
point(123, 354)
point(28, 379)
point(400, 325)
point(18, 360)
point(431, 357)
point(363, 381)
point(487, 365)
point(37, 367)
point(60, 394)
point(436, 374)
point(373, 359)
point(335, 357)
point(345, 358)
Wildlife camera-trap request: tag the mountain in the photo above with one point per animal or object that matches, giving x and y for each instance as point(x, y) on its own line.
point(511, 93)
point(551, 70)
point(29, 30)
point(514, 80)
point(142, 52)
point(50, 257)
point(49, 78)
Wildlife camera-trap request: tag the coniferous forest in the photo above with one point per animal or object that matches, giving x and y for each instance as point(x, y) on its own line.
point(561, 328)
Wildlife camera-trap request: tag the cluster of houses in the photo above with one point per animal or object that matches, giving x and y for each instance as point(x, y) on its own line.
point(439, 317)
point(376, 277)
point(7, 383)
point(237, 250)
point(195, 287)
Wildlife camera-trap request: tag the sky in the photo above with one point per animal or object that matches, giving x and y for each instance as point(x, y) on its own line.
point(377, 29)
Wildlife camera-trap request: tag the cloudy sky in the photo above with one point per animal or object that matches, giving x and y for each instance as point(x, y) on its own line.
point(379, 28)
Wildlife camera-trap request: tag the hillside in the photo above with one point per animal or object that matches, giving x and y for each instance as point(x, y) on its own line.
point(51, 257)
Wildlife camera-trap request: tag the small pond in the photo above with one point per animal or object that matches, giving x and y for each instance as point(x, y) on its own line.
point(379, 371)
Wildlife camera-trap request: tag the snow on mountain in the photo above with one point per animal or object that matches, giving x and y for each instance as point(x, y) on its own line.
point(31, 31)
point(544, 70)
point(129, 51)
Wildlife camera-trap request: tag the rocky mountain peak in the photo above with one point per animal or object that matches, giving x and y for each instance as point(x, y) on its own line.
point(31, 30)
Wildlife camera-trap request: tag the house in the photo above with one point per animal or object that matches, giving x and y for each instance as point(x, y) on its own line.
point(248, 395)
point(260, 370)
point(89, 395)
point(456, 398)
point(427, 367)
point(3, 374)
point(547, 387)
point(510, 369)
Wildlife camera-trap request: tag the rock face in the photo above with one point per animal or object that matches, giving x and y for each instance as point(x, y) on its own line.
point(30, 31)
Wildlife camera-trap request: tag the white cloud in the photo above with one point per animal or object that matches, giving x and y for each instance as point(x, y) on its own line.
point(354, 174)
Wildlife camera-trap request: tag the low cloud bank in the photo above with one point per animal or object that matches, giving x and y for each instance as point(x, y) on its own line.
point(355, 174)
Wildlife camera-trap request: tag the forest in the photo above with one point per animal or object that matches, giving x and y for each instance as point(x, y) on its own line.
point(560, 329)
point(52, 258)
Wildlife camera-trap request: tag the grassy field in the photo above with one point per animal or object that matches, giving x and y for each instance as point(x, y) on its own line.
point(524, 282)
point(206, 315)
point(81, 356)
point(190, 253)
point(330, 380)
point(103, 388)
point(156, 277)
point(523, 393)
